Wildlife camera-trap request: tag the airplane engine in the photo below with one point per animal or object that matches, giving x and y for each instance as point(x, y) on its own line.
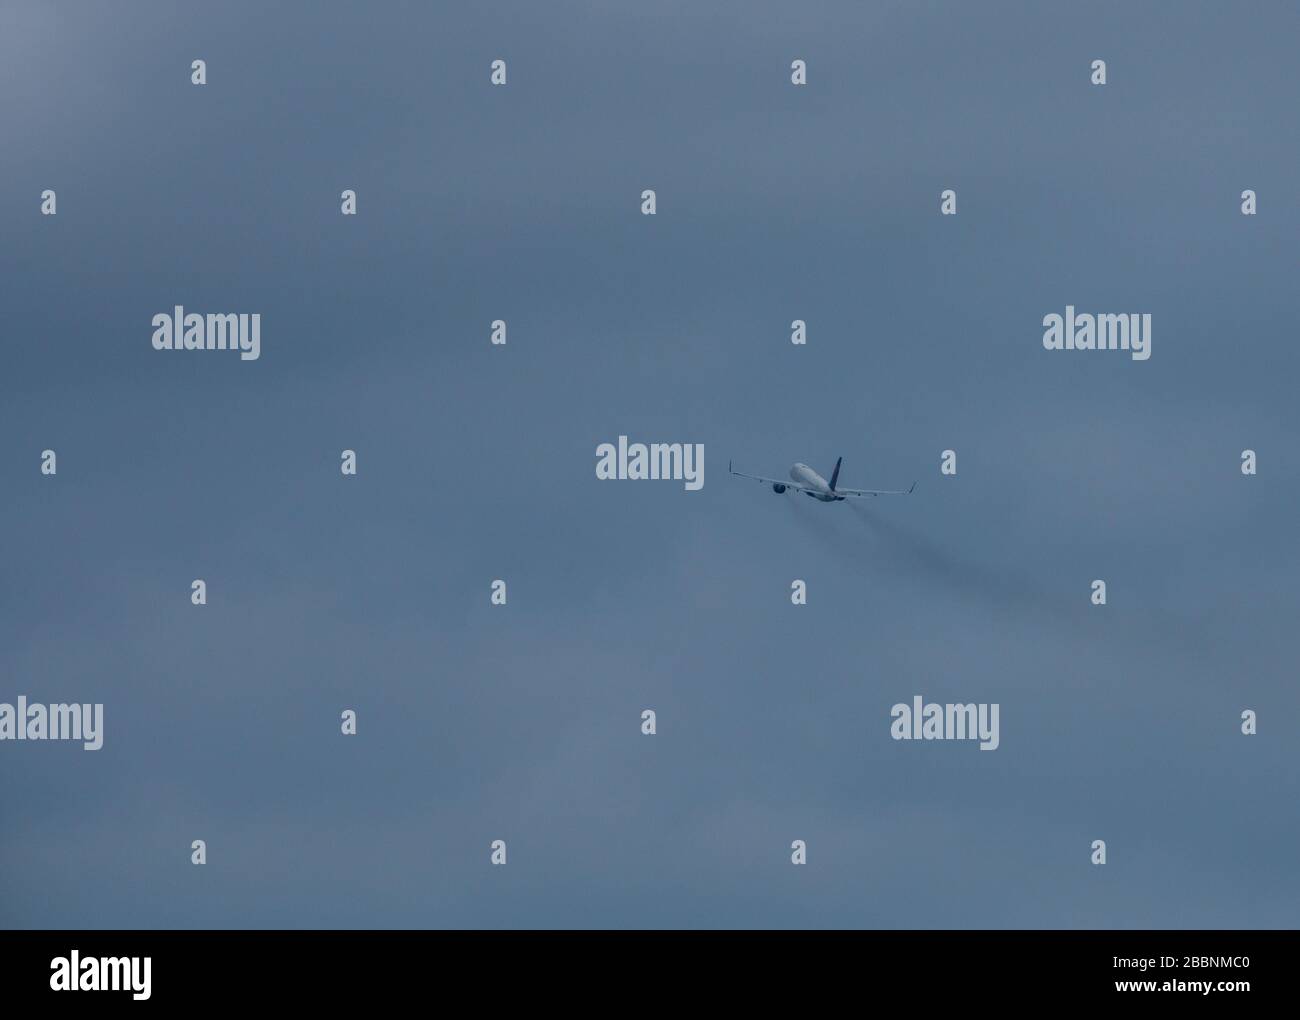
point(778, 487)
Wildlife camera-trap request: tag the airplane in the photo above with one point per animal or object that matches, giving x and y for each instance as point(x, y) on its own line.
point(809, 482)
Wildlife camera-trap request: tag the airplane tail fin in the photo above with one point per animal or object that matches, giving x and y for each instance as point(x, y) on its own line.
point(835, 475)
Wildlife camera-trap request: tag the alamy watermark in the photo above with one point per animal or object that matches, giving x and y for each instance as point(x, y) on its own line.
point(73, 973)
point(921, 721)
point(1084, 332)
point(679, 461)
point(53, 722)
point(212, 332)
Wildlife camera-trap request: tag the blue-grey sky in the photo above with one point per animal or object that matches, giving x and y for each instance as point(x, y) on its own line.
point(477, 462)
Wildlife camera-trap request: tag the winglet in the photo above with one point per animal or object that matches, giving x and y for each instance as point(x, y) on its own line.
point(909, 491)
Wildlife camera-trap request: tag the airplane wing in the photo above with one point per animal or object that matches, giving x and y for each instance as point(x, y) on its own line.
point(867, 493)
point(770, 481)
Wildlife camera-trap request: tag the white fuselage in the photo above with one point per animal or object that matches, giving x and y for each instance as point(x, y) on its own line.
point(805, 475)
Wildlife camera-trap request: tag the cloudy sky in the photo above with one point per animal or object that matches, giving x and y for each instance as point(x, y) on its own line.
point(476, 462)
